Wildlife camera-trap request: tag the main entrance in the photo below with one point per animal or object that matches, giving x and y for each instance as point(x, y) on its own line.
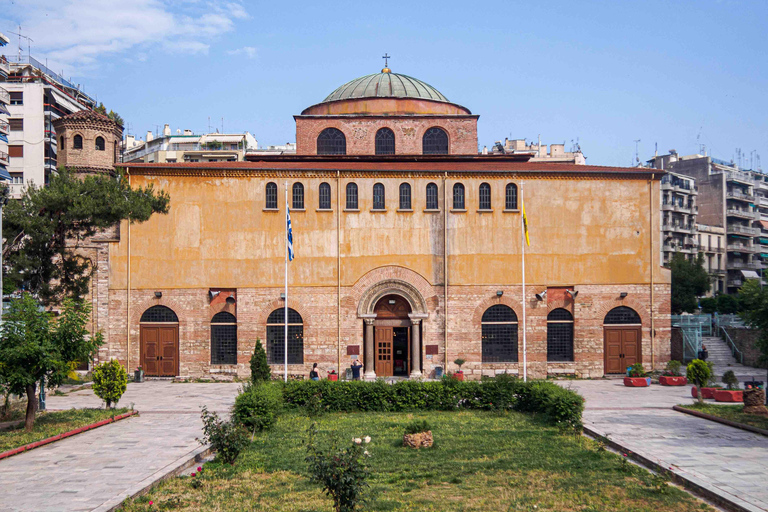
point(392, 337)
point(159, 340)
point(622, 328)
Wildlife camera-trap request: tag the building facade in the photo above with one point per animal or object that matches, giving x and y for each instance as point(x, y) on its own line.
point(188, 147)
point(711, 245)
point(408, 254)
point(678, 211)
point(5, 100)
point(539, 152)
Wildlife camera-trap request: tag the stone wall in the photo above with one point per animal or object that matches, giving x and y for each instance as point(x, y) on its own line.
point(745, 340)
point(676, 344)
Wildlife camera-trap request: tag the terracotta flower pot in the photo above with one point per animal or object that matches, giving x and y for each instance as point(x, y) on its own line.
point(667, 380)
point(724, 395)
point(458, 376)
point(637, 382)
point(333, 377)
point(705, 392)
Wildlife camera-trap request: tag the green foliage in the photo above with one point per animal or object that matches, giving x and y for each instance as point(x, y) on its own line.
point(101, 109)
point(689, 281)
point(730, 380)
point(673, 368)
point(708, 305)
point(341, 472)
point(110, 381)
point(754, 300)
point(45, 228)
point(699, 373)
point(728, 304)
point(260, 370)
point(227, 438)
point(637, 370)
point(417, 427)
point(258, 406)
point(458, 362)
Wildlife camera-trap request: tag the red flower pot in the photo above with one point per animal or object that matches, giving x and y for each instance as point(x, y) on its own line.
point(666, 380)
point(724, 395)
point(637, 382)
point(705, 392)
point(333, 377)
point(458, 376)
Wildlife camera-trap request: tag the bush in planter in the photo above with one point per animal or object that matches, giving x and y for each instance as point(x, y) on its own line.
point(637, 370)
point(458, 362)
point(730, 380)
point(227, 438)
point(699, 373)
point(257, 406)
point(110, 381)
point(260, 370)
point(673, 369)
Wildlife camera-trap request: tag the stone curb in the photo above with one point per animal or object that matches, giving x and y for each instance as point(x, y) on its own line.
point(742, 426)
point(64, 435)
point(691, 483)
point(173, 469)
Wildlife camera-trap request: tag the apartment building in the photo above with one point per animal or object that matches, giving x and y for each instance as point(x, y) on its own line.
point(188, 147)
point(5, 99)
point(37, 96)
point(538, 151)
point(711, 245)
point(678, 211)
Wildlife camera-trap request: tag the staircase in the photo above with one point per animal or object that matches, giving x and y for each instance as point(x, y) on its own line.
point(720, 354)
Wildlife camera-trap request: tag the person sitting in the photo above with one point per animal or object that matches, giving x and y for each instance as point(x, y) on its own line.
point(314, 375)
point(703, 353)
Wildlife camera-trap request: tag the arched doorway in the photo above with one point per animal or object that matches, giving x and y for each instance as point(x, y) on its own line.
point(622, 329)
point(393, 337)
point(159, 335)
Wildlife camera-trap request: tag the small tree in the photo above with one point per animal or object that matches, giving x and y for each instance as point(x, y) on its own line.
point(730, 380)
point(689, 281)
point(110, 381)
point(698, 372)
point(458, 362)
point(260, 370)
point(34, 346)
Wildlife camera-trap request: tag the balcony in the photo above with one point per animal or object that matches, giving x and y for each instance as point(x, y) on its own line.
point(739, 195)
point(54, 111)
point(3, 158)
point(741, 230)
point(716, 271)
point(738, 177)
point(50, 137)
point(679, 248)
point(674, 207)
point(679, 188)
point(5, 127)
point(704, 248)
point(50, 164)
point(5, 96)
point(744, 265)
point(742, 213)
point(5, 67)
point(681, 228)
point(735, 283)
point(741, 248)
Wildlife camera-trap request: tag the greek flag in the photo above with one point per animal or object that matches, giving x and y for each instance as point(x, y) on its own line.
point(290, 234)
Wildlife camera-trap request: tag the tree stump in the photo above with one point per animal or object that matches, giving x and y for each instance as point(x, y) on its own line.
point(420, 440)
point(754, 402)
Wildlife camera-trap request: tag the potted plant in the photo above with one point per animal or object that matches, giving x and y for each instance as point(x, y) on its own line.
point(672, 376)
point(332, 375)
point(637, 378)
point(138, 374)
point(709, 387)
point(459, 375)
point(418, 435)
point(732, 393)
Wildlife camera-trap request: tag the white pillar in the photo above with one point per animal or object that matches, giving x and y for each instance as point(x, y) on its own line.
point(415, 349)
point(370, 373)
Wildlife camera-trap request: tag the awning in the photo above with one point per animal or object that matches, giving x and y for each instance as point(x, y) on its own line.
point(750, 274)
point(763, 255)
point(3, 110)
point(3, 137)
point(763, 241)
point(4, 174)
point(764, 223)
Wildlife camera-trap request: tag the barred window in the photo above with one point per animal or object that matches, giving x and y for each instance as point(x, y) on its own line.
point(157, 314)
point(510, 201)
point(298, 196)
point(324, 202)
point(378, 197)
point(435, 142)
point(385, 142)
point(223, 338)
point(351, 196)
point(100, 144)
point(432, 203)
point(458, 196)
point(485, 196)
point(559, 335)
point(271, 195)
point(77, 142)
point(331, 141)
point(622, 315)
point(405, 196)
point(276, 337)
point(499, 339)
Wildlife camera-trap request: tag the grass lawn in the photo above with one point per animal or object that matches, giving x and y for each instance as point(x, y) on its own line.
point(481, 461)
point(730, 412)
point(48, 424)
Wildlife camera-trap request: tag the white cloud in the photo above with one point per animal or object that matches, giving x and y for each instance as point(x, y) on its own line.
point(248, 51)
point(74, 34)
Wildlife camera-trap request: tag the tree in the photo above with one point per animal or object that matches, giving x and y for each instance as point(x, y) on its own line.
point(260, 370)
point(727, 304)
point(44, 229)
point(34, 345)
point(754, 300)
point(699, 373)
point(689, 281)
point(101, 109)
point(110, 381)
point(708, 305)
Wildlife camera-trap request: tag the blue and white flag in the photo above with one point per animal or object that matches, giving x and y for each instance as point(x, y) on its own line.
point(290, 234)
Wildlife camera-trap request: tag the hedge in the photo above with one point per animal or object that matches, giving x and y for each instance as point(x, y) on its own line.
point(559, 406)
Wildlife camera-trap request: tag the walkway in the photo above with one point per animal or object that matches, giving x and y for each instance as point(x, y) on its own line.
point(731, 462)
point(96, 469)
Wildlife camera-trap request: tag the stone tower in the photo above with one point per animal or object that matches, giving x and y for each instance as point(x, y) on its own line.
point(88, 142)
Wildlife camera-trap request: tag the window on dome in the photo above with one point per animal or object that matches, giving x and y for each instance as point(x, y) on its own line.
point(435, 142)
point(100, 144)
point(331, 141)
point(77, 142)
point(385, 142)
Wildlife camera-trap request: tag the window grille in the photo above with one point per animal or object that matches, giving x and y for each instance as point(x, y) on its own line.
point(77, 142)
point(485, 196)
point(435, 142)
point(378, 197)
point(499, 335)
point(510, 200)
point(223, 338)
point(276, 337)
point(622, 315)
point(458, 196)
point(271, 195)
point(432, 203)
point(559, 335)
point(351, 196)
point(331, 141)
point(324, 201)
point(100, 145)
point(157, 314)
point(298, 196)
point(385, 142)
point(405, 196)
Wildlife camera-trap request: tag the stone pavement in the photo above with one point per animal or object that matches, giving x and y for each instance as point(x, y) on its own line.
point(96, 468)
point(727, 461)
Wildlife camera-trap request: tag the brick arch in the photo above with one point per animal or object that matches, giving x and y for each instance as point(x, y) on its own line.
point(106, 140)
point(261, 320)
point(477, 316)
point(162, 301)
point(566, 304)
point(430, 126)
point(608, 305)
point(400, 280)
point(398, 141)
point(72, 138)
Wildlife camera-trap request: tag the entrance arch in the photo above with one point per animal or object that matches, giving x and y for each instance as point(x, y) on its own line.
point(622, 328)
point(159, 340)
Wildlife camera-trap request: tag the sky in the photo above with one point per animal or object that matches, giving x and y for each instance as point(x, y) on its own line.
point(677, 74)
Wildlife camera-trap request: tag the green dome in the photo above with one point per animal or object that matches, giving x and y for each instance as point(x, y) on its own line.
point(385, 85)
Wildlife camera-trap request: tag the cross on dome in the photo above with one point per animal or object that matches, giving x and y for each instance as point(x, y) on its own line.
point(386, 58)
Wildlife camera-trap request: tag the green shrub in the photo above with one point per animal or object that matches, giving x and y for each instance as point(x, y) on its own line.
point(226, 438)
point(730, 380)
point(673, 368)
point(458, 362)
point(699, 373)
point(260, 370)
point(258, 406)
point(417, 427)
point(110, 381)
point(637, 370)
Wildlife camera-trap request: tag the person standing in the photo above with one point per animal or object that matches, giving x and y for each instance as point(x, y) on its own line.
point(314, 374)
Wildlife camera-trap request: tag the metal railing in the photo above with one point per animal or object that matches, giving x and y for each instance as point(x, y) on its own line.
point(703, 322)
point(738, 212)
point(735, 351)
point(742, 229)
point(5, 96)
point(729, 321)
point(733, 194)
point(741, 247)
point(3, 156)
point(5, 127)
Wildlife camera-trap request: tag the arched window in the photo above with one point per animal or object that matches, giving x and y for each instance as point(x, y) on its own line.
point(351, 196)
point(324, 197)
point(298, 196)
point(223, 338)
point(100, 144)
point(62, 140)
point(622, 315)
point(485, 196)
point(559, 335)
point(458, 196)
point(435, 142)
point(271, 196)
point(77, 142)
point(499, 325)
point(405, 196)
point(276, 337)
point(385, 142)
point(432, 203)
point(159, 314)
point(510, 198)
point(331, 141)
point(378, 197)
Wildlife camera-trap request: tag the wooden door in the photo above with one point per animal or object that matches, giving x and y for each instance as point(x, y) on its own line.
point(150, 350)
point(622, 348)
point(383, 343)
point(613, 351)
point(630, 346)
point(160, 350)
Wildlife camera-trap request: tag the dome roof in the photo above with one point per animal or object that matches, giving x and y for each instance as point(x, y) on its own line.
point(386, 85)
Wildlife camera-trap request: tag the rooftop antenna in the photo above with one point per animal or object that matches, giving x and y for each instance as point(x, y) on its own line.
point(29, 40)
point(209, 124)
point(222, 125)
point(637, 153)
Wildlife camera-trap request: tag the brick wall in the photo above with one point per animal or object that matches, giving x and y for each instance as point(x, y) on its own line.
point(746, 341)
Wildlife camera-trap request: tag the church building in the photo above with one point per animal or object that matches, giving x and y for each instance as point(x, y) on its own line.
point(408, 254)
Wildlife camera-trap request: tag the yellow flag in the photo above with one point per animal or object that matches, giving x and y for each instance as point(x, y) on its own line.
point(525, 224)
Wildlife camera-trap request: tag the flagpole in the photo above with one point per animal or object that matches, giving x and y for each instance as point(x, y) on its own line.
point(285, 313)
point(525, 326)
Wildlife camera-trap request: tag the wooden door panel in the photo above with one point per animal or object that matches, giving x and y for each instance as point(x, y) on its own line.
point(169, 344)
point(159, 350)
point(630, 346)
point(383, 344)
point(613, 351)
point(150, 347)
